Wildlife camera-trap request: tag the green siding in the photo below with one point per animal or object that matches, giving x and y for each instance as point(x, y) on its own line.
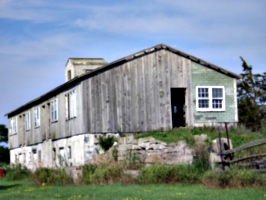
point(203, 76)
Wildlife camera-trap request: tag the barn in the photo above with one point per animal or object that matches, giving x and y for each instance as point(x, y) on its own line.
point(158, 88)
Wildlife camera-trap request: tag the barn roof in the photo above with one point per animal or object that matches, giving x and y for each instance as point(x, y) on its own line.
point(76, 80)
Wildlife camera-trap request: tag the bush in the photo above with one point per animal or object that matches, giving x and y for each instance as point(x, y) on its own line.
point(234, 178)
point(99, 174)
point(49, 176)
point(133, 160)
point(263, 126)
point(169, 174)
point(17, 172)
point(106, 142)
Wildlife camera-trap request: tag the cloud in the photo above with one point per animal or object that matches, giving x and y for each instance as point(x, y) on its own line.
point(37, 36)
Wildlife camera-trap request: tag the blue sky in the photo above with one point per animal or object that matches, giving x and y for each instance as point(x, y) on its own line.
point(38, 36)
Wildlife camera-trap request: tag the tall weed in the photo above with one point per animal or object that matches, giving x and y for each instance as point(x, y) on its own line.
point(17, 172)
point(234, 178)
point(49, 176)
point(169, 174)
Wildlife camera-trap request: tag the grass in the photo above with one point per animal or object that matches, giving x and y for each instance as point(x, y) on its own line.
point(238, 136)
point(172, 182)
point(26, 190)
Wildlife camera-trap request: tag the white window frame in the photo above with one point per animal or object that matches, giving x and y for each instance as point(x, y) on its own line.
point(71, 105)
point(13, 125)
point(37, 117)
point(210, 99)
point(54, 110)
point(27, 120)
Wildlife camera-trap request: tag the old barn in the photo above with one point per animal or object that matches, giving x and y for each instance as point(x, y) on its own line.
point(159, 88)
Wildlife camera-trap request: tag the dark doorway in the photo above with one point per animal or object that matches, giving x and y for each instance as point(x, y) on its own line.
point(178, 106)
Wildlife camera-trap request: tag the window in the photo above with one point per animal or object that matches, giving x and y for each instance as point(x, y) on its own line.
point(68, 75)
point(54, 110)
point(27, 120)
point(37, 116)
point(69, 154)
point(34, 152)
point(29, 157)
point(210, 98)
point(54, 154)
point(71, 105)
point(39, 156)
point(62, 156)
point(13, 125)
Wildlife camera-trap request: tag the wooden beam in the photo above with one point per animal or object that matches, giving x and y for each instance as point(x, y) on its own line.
point(248, 157)
point(245, 146)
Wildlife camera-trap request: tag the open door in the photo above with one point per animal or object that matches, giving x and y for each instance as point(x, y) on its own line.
point(178, 107)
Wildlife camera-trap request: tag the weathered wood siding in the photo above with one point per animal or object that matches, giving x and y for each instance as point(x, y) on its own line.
point(131, 97)
point(47, 129)
point(135, 96)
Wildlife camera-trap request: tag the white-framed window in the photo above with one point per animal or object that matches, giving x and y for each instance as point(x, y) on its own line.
point(54, 110)
point(71, 106)
point(210, 98)
point(13, 125)
point(37, 117)
point(27, 120)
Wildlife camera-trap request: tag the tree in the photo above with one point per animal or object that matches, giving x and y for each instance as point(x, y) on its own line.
point(4, 152)
point(3, 133)
point(251, 97)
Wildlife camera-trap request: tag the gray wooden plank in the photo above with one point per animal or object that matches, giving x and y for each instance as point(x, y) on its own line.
point(142, 94)
point(134, 96)
point(168, 119)
point(124, 97)
point(148, 91)
point(128, 97)
point(246, 146)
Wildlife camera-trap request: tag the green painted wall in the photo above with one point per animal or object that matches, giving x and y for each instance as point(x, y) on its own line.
point(203, 76)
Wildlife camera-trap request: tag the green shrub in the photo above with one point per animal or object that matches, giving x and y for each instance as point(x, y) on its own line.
point(263, 126)
point(106, 142)
point(49, 176)
point(133, 160)
point(17, 172)
point(87, 171)
point(234, 178)
point(93, 174)
point(169, 174)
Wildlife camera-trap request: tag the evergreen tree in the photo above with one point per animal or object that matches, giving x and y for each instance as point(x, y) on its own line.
point(251, 97)
point(4, 152)
point(3, 133)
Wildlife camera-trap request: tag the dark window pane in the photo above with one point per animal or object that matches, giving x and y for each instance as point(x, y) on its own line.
point(217, 103)
point(217, 93)
point(203, 103)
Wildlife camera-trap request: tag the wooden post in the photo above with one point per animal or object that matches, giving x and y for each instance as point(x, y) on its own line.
point(221, 153)
point(227, 135)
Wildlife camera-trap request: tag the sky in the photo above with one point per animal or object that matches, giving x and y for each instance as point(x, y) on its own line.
point(38, 36)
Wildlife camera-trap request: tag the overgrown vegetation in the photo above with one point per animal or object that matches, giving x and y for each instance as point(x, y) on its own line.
point(108, 170)
point(49, 176)
point(234, 178)
point(17, 172)
point(4, 151)
point(170, 174)
point(251, 95)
